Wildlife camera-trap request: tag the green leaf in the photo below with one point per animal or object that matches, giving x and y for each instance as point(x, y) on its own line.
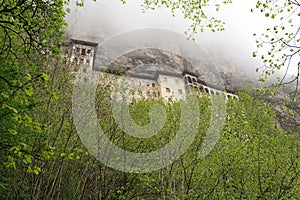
point(27, 159)
point(10, 163)
point(36, 170)
point(45, 77)
point(29, 91)
point(13, 132)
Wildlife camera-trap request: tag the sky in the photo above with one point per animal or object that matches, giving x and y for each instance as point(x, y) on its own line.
point(106, 18)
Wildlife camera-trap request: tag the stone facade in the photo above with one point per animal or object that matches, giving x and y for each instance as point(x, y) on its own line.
point(157, 84)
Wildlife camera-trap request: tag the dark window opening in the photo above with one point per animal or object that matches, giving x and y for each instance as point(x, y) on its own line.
point(87, 61)
point(153, 85)
point(168, 90)
point(83, 52)
point(179, 91)
point(201, 89)
point(88, 51)
point(77, 49)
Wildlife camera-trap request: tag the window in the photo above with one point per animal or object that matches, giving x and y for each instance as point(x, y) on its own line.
point(158, 94)
point(168, 90)
point(77, 49)
point(81, 60)
point(201, 89)
point(83, 52)
point(148, 94)
point(88, 51)
point(153, 85)
point(179, 91)
point(87, 61)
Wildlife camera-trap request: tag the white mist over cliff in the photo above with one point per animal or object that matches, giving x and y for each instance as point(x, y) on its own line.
point(103, 19)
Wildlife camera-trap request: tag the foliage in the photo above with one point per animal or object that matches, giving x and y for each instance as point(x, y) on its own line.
point(251, 160)
point(279, 47)
point(197, 13)
point(42, 157)
point(30, 37)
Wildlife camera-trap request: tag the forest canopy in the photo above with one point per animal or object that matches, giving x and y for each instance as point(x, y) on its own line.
point(42, 156)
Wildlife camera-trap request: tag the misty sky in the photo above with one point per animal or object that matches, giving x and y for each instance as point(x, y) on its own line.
point(106, 18)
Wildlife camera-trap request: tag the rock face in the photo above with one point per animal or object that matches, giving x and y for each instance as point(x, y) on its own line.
point(288, 116)
point(157, 57)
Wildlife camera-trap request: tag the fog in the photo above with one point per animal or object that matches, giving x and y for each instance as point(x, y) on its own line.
point(103, 19)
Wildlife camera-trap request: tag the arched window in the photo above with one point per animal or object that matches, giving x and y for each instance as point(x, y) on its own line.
point(206, 90)
point(201, 89)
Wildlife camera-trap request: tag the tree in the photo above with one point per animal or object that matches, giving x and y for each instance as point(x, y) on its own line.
point(30, 36)
point(280, 45)
point(195, 11)
point(43, 158)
